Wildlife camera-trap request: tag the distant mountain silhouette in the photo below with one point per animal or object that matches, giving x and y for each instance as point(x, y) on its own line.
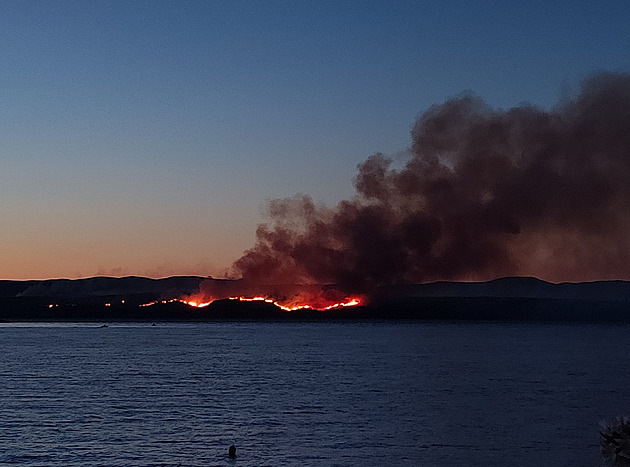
point(505, 299)
point(519, 287)
point(101, 286)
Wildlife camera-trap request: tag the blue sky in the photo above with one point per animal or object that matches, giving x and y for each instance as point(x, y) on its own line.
point(145, 137)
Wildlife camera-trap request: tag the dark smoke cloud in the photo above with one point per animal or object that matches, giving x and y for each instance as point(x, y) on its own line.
point(485, 193)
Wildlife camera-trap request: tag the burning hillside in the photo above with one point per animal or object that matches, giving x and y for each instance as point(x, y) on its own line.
point(141, 299)
point(288, 297)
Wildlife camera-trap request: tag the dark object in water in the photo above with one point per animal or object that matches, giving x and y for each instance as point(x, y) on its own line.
point(153, 324)
point(104, 326)
point(615, 442)
point(232, 451)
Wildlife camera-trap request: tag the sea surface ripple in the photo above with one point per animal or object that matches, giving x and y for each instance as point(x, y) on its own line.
point(309, 394)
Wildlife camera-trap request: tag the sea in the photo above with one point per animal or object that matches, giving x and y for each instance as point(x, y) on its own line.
point(310, 393)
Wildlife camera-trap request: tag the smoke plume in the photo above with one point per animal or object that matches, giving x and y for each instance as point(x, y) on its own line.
point(485, 193)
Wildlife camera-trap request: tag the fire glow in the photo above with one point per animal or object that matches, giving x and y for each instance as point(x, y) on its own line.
point(173, 300)
point(348, 302)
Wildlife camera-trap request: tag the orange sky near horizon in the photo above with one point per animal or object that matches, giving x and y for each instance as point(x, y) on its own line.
point(146, 138)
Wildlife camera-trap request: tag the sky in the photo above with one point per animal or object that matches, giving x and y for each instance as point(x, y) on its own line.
point(147, 137)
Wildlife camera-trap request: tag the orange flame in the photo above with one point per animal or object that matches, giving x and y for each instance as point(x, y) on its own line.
point(197, 303)
point(348, 302)
point(193, 303)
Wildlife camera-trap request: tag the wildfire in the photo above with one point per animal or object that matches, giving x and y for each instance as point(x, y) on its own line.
point(351, 301)
point(196, 303)
point(192, 303)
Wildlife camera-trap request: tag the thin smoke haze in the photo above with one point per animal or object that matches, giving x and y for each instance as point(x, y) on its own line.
point(486, 193)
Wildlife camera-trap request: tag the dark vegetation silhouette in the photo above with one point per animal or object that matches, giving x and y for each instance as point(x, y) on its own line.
point(615, 442)
point(122, 299)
